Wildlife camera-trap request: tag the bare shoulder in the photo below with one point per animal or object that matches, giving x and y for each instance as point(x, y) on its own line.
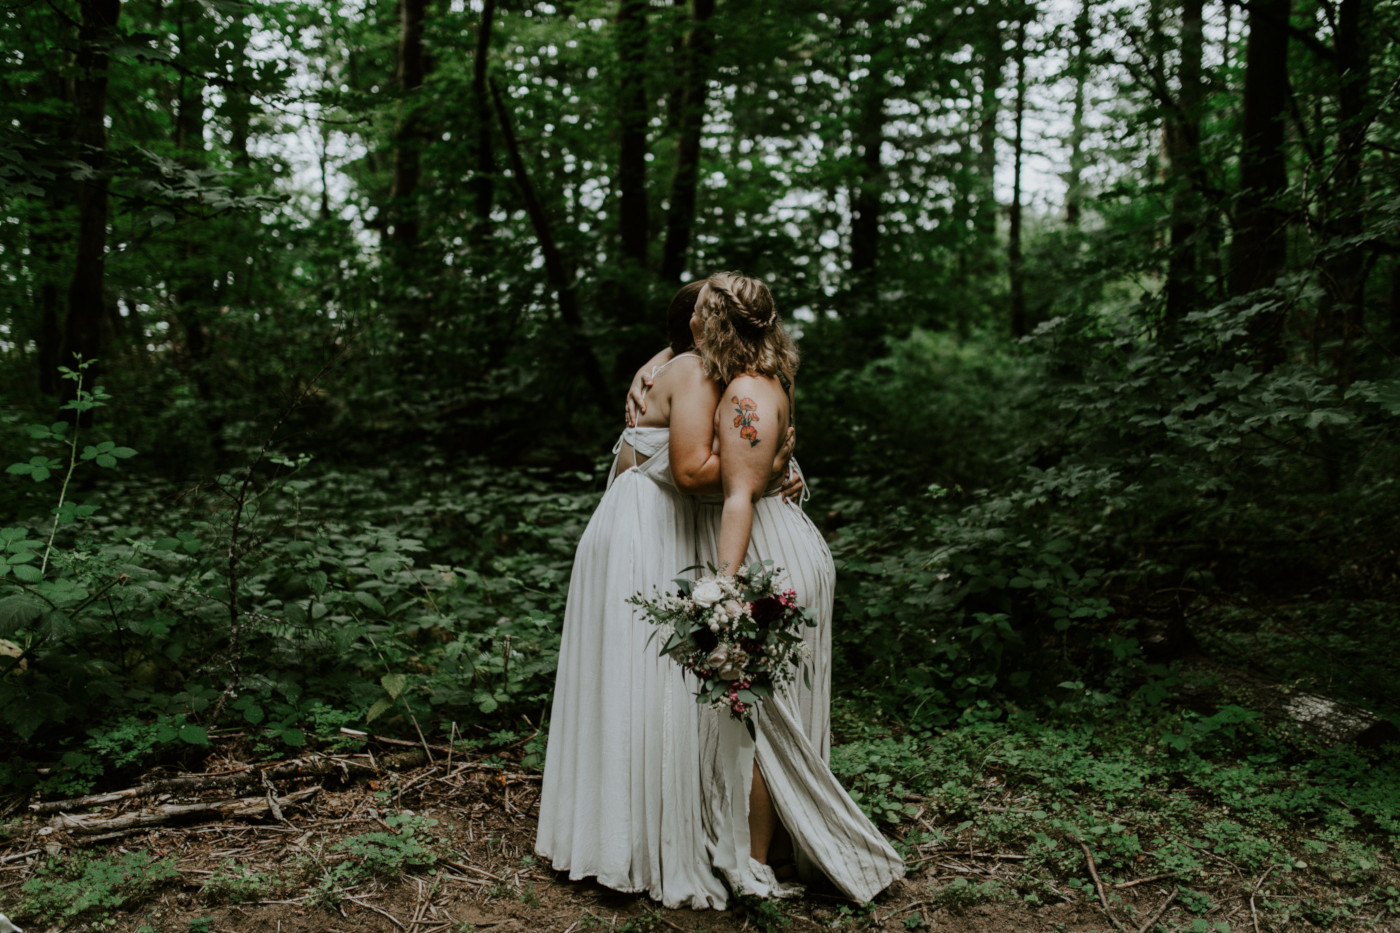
point(758, 389)
point(686, 373)
point(687, 366)
point(756, 402)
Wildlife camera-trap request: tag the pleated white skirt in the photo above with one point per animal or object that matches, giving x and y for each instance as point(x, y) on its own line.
point(830, 833)
point(621, 797)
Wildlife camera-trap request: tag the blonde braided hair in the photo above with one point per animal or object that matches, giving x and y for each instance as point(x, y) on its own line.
point(741, 331)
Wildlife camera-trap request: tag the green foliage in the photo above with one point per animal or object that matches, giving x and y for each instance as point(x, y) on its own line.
point(763, 914)
point(234, 883)
point(1158, 464)
point(960, 893)
point(873, 773)
point(1251, 798)
point(79, 887)
point(406, 846)
point(324, 622)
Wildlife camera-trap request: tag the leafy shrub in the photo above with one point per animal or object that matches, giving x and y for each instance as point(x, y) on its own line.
point(1158, 465)
point(237, 883)
point(406, 846)
point(81, 887)
point(289, 603)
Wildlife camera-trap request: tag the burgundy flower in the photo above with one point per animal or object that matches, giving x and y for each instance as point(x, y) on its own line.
point(766, 610)
point(704, 639)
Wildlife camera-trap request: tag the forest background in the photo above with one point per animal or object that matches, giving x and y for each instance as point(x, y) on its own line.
point(317, 320)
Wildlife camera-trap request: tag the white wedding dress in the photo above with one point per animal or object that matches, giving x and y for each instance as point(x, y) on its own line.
point(831, 836)
point(621, 798)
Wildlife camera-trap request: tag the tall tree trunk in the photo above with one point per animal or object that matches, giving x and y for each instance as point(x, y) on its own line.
point(238, 109)
point(193, 287)
point(865, 201)
point(85, 327)
point(633, 111)
point(1258, 251)
point(408, 171)
point(680, 220)
point(483, 182)
point(961, 211)
point(1184, 146)
point(556, 266)
point(1014, 270)
point(626, 293)
point(1393, 301)
point(1345, 273)
point(1074, 193)
point(984, 215)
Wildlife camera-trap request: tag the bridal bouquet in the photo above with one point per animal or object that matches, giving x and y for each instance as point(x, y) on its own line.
point(740, 635)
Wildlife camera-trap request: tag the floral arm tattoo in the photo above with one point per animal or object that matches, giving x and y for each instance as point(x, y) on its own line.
point(746, 414)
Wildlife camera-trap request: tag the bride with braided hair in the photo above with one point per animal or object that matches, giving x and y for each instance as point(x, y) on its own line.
point(771, 800)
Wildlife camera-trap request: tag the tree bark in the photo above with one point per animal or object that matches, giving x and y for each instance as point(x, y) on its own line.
point(1343, 312)
point(1258, 251)
point(984, 217)
point(633, 111)
point(557, 269)
point(865, 202)
point(1184, 148)
point(1393, 301)
point(1074, 193)
point(680, 219)
point(483, 182)
point(193, 288)
point(85, 329)
point(625, 288)
point(1019, 327)
point(405, 229)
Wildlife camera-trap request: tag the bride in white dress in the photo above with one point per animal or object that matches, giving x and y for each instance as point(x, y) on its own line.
point(779, 788)
point(621, 796)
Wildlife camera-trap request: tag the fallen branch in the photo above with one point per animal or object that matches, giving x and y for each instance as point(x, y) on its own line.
point(938, 853)
point(1254, 914)
point(383, 913)
point(156, 816)
point(1147, 880)
point(477, 871)
point(1098, 886)
point(1160, 910)
point(185, 783)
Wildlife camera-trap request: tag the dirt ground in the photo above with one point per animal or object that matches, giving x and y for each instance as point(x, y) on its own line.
point(482, 875)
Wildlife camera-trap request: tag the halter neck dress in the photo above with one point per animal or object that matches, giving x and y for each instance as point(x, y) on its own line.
point(621, 799)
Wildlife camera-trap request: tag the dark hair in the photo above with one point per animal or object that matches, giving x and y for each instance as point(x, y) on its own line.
point(678, 317)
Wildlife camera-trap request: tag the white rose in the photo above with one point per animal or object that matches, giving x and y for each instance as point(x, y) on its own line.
point(733, 608)
point(707, 593)
point(717, 657)
point(732, 666)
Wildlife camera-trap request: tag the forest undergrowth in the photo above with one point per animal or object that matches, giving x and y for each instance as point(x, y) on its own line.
point(427, 610)
point(1112, 665)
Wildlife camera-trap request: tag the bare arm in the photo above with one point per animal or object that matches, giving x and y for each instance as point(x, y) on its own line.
point(746, 449)
point(636, 404)
point(694, 461)
point(695, 458)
